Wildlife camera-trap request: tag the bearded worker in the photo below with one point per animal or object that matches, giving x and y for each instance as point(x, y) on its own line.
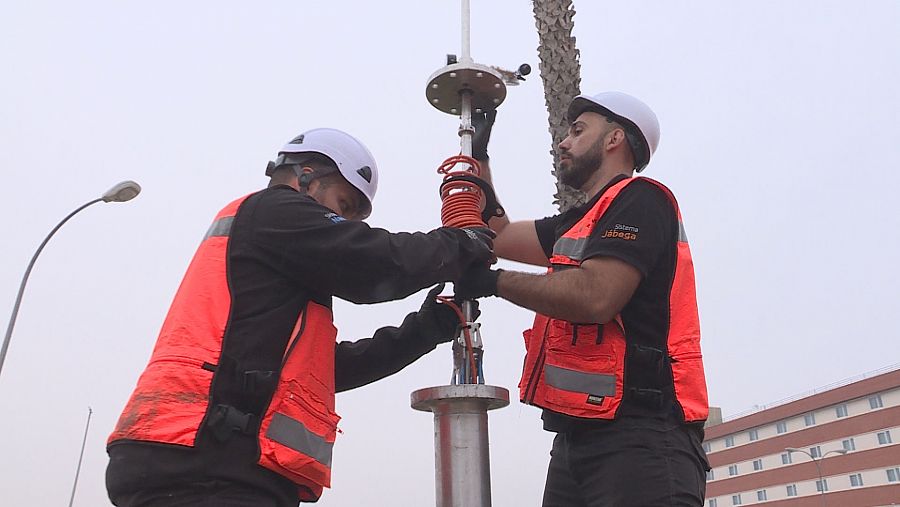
point(613, 357)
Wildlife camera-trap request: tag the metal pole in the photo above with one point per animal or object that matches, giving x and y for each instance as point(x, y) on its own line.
point(461, 452)
point(466, 56)
point(15, 312)
point(465, 146)
point(80, 456)
point(818, 470)
point(821, 481)
point(462, 458)
point(466, 130)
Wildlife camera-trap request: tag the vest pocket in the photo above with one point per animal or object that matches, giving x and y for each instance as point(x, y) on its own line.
point(690, 385)
point(168, 404)
point(582, 386)
point(526, 335)
point(583, 339)
point(299, 437)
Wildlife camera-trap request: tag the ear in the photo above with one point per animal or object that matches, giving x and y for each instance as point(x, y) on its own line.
point(615, 139)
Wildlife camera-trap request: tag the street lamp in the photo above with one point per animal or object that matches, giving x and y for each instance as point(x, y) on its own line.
point(818, 467)
point(87, 425)
point(124, 191)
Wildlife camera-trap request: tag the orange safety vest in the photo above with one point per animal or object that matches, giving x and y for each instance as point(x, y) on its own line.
point(171, 401)
point(571, 370)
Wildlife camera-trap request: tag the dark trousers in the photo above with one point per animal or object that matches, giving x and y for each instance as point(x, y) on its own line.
point(199, 494)
point(627, 463)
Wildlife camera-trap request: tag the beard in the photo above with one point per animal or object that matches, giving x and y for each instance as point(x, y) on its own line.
point(576, 171)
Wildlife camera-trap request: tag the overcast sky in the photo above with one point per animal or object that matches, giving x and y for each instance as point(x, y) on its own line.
point(779, 137)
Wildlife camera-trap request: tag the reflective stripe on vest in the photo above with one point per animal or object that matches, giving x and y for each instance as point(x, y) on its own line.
point(598, 384)
point(294, 434)
point(573, 248)
point(220, 227)
point(583, 374)
point(297, 431)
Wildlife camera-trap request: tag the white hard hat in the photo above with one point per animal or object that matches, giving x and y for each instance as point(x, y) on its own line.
point(353, 160)
point(631, 112)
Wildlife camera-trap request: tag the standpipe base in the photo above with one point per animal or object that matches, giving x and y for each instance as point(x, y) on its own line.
point(461, 454)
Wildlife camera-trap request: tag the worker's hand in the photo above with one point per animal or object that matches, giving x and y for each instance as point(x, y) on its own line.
point(482, 122)
point(437, 321)
point(482, 241)
point(477, 282)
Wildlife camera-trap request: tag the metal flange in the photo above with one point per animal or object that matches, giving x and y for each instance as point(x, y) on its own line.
point(460, 397)
point(484, 84)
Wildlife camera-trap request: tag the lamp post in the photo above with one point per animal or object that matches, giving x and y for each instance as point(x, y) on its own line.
point(80, 456)
point(124, 191)
point(818, 467)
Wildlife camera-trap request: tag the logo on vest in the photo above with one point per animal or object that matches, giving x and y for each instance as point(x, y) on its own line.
point(334, 217)
point(595, 400)
point(621, 231)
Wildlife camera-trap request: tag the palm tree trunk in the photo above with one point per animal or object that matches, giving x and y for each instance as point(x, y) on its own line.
point(561, 75)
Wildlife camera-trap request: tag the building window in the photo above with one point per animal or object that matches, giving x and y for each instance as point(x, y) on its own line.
point(757, 464)
point(732, 470)
point(709, 475)
point(707, 447)
point(809, 419)
point(856, 480)
point(729, 441)
point(875, 402)
point(754, 435)
point(736, 499)
point(822, 485)
point(841, 410)
point(781, 427)
point(792, 490)
point(785, 458)
point(884, 437)
point(761, 495)
point(713, 503)
point(893, 474)
point(849, 444)
point(816, 451)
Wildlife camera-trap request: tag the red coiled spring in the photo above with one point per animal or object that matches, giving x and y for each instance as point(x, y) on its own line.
point(461, 205)
point(461, 201)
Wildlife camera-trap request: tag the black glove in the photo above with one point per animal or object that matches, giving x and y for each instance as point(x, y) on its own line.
point(438, 322)
point(477, 282)
point(482, 239)
point(482, 122)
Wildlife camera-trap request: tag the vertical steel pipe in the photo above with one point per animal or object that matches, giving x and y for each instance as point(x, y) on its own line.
point(465, 16)
point(461, 450)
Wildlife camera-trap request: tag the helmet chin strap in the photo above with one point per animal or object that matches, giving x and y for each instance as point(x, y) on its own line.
point(303, 179)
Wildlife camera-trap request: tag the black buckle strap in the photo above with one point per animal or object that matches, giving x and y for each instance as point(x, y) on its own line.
point(226, 420)
point(651, 398)
point(647, 366)
point(258, 382)
point(649, 359)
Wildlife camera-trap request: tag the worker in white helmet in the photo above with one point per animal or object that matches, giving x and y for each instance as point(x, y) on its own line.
point(236, 406)
point(613, 357)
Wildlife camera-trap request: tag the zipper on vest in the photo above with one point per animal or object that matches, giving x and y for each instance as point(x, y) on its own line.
point(599, 333)
point(574, 334)
point(287, 352)
point(538, 367)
